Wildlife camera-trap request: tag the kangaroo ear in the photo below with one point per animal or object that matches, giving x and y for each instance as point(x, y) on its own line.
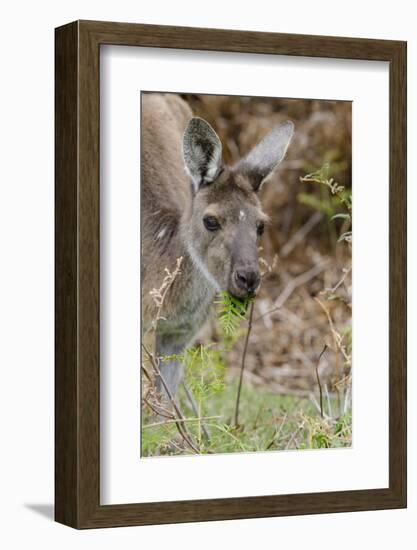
point(266, 155)
point(202, 151)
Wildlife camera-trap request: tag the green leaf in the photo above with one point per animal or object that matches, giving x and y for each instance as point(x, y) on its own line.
point(232, 312)
point(340, 216)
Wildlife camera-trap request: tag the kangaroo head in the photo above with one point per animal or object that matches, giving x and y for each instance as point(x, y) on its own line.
point(226, 218)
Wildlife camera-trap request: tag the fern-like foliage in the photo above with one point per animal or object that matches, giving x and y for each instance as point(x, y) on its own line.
point(205, 370)
point(232, 312)
point(337, 196)
point(322, 176)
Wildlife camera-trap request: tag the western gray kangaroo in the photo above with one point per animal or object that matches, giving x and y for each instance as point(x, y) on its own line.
point(195, 207)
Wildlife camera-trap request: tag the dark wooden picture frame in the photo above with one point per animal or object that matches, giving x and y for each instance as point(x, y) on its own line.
point(77, 373)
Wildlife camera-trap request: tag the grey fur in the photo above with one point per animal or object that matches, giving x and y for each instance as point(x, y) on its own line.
point(202, 151)
point(173, 221)
point(268, 153)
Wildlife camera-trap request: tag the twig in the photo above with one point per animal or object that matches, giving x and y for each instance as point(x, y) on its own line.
point(345, 380)
point(146, 373)
point(159, 295)
point(229, 434)
point(314, 401)
point(174, 420)
point(277, 432)
point(299, 281)
point(293, 435)
point(267, 313)
point(195, 411)
point(293, 284)
point(337, 338)
point(340, 282)
point(299, 235)
point(160, 412)
point(158, 372)
point(180, 421)
point(347, 399)
point(242, 367)
point(329, 405)
point(158, 409)
point(318, 380)
point(258, 414)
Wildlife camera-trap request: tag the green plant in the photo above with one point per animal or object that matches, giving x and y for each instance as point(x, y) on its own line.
point(268, 422)
point(322, 176)
point(231, 312)
point(333, 196)
point(280, 408)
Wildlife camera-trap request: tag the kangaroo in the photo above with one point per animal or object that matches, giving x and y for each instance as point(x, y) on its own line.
point(196, 208)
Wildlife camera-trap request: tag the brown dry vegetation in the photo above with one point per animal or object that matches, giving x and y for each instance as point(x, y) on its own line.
point(285, 345)
point(296, 390)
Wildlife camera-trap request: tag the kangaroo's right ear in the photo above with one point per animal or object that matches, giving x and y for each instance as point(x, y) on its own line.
point(202, 151)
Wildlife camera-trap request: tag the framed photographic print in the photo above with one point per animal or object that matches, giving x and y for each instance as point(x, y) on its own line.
point(230, 274)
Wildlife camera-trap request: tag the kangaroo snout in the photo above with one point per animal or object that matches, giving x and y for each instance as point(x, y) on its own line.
point(245, 281)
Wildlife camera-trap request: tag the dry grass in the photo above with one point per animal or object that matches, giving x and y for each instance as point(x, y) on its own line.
point(296, 389)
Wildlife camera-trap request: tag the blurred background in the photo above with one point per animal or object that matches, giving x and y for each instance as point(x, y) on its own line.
point(295, 345)
point(301, 244)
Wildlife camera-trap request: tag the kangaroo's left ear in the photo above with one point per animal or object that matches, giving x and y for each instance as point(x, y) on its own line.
point(266, 155)
point(202, 151)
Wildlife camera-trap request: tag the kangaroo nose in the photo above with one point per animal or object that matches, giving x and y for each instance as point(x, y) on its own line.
point(247, 280)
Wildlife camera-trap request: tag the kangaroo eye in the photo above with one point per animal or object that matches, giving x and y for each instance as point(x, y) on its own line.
point(260, 228)
point(211, 223)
